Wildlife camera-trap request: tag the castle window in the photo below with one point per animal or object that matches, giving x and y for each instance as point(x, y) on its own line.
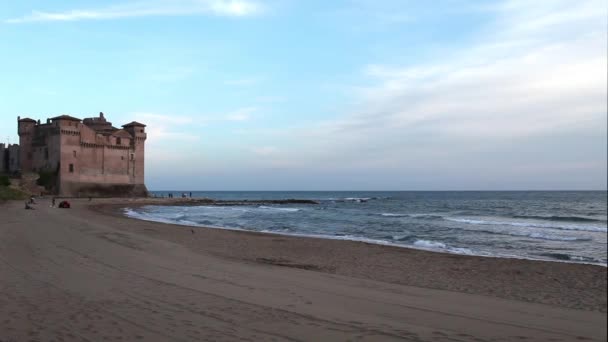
point(71, 168)
point(118, 141)
point(46, 153)
point(132, 156)
point(74, 154)
point(141, 130)
point(122, 157)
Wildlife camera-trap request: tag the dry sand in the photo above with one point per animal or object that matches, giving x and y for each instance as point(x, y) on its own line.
point(92, 275)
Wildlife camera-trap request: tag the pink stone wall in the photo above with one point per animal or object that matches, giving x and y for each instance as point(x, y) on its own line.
point(88, 162)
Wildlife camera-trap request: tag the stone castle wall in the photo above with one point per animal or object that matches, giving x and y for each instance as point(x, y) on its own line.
point(88, 161)
point(9, 158)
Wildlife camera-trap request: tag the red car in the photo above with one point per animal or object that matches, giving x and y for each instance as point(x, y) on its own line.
point(64, 204)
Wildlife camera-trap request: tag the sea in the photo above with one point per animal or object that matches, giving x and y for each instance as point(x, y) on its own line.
point(563, 226)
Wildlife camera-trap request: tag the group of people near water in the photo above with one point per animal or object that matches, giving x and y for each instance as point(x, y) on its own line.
point(29, 204)
point(170, 195)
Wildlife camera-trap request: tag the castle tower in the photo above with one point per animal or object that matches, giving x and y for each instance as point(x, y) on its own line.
point(26, 128)
point(138, 132)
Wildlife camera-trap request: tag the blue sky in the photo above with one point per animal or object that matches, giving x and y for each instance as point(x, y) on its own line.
point(325, 95)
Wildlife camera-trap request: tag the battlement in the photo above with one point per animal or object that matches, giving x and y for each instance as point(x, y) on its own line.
point(84, 154)
point(9, 158)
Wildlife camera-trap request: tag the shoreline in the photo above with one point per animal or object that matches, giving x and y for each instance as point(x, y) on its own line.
point(475, 274)
point(332, 237)
point(90, 273)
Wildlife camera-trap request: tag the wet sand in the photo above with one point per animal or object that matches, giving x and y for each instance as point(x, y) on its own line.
point(91, 274)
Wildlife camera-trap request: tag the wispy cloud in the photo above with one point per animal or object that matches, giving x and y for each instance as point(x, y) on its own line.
point(243, 82)
point(241, 114)
point(373, 15)
point(271, 99)
point(229, 8)
point(536, 76)
point(163, 127)
point(264, 151)
point(172, 74)
point(165, 132)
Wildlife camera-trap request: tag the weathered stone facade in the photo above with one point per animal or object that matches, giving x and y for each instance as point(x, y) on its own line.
point(9, 158)
point(86, 157)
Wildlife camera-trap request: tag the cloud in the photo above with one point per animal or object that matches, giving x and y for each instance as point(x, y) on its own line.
point(166, 133)
point(242, 82)
point(228, 8)
point(173, 74)
point(537, 75)
point(241, 114)
point(362, 15)
point(530, 78)
point(162, 127)
point(271, 99)
point(264, 151)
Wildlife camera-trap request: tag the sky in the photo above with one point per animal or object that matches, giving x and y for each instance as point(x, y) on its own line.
point(325, 95)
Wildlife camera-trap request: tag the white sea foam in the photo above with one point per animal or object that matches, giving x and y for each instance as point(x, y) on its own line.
point(435, 245)
point(357, 199)
point(156, 218)
point(553, 237)
point(587, 228)
point(423, 216)
point(429, 244)
point(210, 216)
point(291, 210)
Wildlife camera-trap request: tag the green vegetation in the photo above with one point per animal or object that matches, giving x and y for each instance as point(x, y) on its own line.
point(47, 179)
point(7, 193)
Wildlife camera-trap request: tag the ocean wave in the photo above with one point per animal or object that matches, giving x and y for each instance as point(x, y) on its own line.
point(569, 257)
point(534, 235)
point(553, 237)
point(155, 218)
point(291, 210)
point(529, 224)
point(429, 244)
point(435, 245)
point(418, 216)
point(427, 216)
point(550, 237)
point(557, 218)
point(356, 199)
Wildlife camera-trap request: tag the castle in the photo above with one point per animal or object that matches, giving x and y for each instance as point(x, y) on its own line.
point(87, 157)
point(9, 158)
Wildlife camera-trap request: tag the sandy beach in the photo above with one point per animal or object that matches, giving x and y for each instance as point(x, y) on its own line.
point(90, 274)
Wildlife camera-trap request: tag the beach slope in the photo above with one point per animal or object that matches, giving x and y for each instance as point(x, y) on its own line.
point(86, 275)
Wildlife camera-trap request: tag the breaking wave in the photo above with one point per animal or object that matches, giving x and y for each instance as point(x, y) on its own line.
point(529, 224)
point(558, 218)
